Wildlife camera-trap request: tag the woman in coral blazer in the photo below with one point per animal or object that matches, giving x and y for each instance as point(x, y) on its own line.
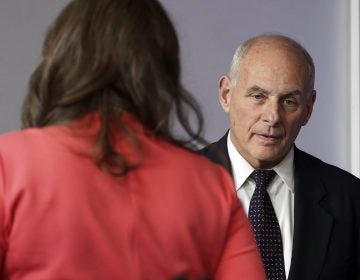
point(97, 186)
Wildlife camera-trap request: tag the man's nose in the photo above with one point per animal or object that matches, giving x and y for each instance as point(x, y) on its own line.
point(271, 112)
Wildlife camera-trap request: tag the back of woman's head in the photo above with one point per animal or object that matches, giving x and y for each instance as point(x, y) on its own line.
point(107, 57)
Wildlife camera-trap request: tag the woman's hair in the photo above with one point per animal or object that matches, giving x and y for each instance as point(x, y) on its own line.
point(108, 57)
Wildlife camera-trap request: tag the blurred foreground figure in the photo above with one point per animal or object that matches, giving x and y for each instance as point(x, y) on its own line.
point(96, 186)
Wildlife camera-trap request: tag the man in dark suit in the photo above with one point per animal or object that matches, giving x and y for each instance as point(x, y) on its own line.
point(269, 95)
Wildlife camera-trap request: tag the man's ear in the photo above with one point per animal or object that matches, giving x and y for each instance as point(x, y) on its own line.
point(309, 105)
point(225, 89)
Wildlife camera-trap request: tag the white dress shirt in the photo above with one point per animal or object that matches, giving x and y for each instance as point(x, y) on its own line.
point(281, 192)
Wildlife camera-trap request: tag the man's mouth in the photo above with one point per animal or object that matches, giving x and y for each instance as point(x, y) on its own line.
point(269, 138)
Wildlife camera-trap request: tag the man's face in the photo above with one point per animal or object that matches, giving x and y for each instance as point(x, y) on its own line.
point(268, 104)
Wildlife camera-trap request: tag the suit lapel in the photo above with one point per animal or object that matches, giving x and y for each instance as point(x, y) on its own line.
point(312, 223)
point(218, 153)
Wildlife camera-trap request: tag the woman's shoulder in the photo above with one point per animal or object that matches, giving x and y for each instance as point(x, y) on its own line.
point(20, 138)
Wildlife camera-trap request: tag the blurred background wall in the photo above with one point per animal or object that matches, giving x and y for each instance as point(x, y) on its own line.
point(209, 31)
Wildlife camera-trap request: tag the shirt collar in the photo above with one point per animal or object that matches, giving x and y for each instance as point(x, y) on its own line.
point(241, 169)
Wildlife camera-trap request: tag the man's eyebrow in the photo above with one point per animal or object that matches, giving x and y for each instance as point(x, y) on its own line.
point(257, 89)
point(291, 93)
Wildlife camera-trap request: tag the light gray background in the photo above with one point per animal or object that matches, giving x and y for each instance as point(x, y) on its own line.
point(209, 31)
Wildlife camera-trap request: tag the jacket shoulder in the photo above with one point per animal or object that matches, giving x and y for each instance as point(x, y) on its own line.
point(217, 152)
point(329, 173)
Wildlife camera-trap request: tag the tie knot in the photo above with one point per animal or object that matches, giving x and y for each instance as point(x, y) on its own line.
point(263, 177)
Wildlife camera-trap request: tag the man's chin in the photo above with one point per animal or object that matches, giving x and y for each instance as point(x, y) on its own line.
point(270, 158)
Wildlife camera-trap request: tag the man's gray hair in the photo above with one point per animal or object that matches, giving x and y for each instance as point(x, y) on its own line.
point(244, 47)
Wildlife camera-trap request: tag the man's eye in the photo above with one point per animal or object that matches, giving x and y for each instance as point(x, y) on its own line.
point(257, 96)
point(290, 102)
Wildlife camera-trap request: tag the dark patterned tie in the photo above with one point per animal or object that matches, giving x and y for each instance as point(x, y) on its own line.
point(266, 226)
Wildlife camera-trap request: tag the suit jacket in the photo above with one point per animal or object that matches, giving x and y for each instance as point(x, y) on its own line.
point(326, 241)
point(62, 217)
